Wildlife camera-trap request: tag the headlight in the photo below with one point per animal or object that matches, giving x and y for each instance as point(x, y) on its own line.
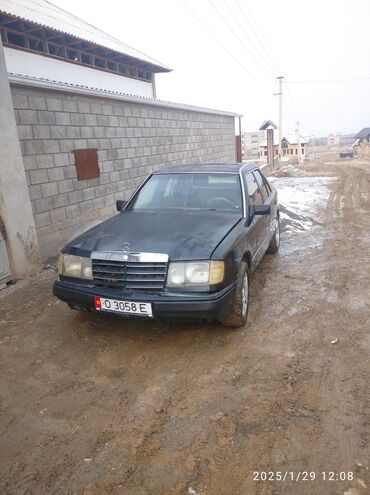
point(69, 265)
point(195, 273)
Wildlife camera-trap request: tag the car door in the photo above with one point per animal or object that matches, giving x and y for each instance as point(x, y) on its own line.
point(257, 224)
point(269, 198)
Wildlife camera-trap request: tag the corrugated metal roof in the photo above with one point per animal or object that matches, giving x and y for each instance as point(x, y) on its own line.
point(364, 133)
point(50, 16)
point(293, 139)
point(21, 80)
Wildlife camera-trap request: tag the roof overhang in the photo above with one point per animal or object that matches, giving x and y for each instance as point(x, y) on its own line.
point(19, 80)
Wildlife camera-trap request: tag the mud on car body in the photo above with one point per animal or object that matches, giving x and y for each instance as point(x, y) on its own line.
point(183, 246)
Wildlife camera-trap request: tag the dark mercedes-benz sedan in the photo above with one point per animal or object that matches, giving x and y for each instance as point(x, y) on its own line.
point(184, 246)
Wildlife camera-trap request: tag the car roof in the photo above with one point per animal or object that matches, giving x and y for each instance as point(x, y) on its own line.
point(207, 168)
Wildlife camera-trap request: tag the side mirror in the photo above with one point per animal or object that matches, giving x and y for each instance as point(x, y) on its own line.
point(262, 210)
point(120, 204)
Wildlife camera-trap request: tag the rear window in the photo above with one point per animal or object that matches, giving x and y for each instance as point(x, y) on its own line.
point(190, 191)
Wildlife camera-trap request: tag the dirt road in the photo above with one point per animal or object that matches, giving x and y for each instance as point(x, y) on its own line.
point(102, 405)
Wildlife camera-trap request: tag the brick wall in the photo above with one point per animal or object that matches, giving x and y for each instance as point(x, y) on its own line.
point(132, 140)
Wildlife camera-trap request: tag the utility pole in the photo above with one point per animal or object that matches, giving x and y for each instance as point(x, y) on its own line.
point(280, 94)
point(313, 145)
point(299, 143)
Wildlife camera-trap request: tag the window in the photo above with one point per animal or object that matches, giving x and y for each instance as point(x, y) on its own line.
point(261, 184)
point(254, 195)
point(189, 191)
point(296, 151)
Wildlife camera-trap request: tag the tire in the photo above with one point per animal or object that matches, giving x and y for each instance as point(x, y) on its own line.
point(239, 311)
point(275, 240)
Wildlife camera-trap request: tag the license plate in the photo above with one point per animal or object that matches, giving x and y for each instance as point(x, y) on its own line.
point(125, 307)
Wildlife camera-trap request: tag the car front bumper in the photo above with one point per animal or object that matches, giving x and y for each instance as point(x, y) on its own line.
point(196, 306)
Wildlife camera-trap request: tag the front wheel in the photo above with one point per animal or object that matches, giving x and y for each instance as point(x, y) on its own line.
point(275, 240)
point(239, 311)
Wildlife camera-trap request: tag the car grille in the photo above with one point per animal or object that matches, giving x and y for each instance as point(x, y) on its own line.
point(129, 275)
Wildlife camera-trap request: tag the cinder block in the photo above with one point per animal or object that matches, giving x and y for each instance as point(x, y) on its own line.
point(113, 121)
point(65, 186)
point(49, 189)
point(98, 203)
point(110, 132)
point(32, 147)
point(58, 215)
point(60, 200)
point(100, 190)
point(41, 132)
point(114, 176)
point(91, 119)
point(73, 211)
point(112, 154)
point(66, 145)
point(43, 204)
point(62, 159)
point(88, 193)
point(87, 132)
point(86, 206)
point(51, 146)
point(75, 197)
point(70, 172)
point(19, 101)
point(80, 144)
point(55, 174)
point(54, 104)
point(29, 162)
point(27, 116)
point(25, 132)
point(109, 200)
point(37, 102)
point(77, 119)
point(106, 167)
point(107, 109)
point(96, 107)
point(102, 120)
point(69, 105)
point(63, 118)
point(46, 117)
point(117, 109)
point(99, 132)
point(44, 161)
point(73, 132)
point(83, 107)
point(42, 219)
point(35, 192)
point(58, 132)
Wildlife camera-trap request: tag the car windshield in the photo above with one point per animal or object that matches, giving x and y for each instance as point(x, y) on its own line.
point(198, 191)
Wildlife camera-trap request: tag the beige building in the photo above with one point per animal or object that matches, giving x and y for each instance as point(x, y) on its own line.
point(289, 146)
point(361, 147)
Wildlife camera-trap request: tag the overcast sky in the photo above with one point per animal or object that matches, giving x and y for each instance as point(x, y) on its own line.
point(214, 48)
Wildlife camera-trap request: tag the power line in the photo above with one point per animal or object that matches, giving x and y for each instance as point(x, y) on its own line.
point(265, 47)
point(221, 44)
point(329, 80)
point(268, 63)
point(238, 37)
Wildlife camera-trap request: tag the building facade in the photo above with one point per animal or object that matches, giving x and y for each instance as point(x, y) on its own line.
point(250, 144)
point(290, 145)
point(60, 105)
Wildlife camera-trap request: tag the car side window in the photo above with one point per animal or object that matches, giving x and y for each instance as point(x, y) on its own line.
point(254, 195)
point(261, 183)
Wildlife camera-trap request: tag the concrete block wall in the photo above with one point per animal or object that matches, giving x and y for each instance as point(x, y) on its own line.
point(132, 140)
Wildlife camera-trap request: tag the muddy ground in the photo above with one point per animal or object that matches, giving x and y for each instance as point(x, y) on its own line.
point(98, 405)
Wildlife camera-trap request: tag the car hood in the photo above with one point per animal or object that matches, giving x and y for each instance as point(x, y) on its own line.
point(181, 235)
